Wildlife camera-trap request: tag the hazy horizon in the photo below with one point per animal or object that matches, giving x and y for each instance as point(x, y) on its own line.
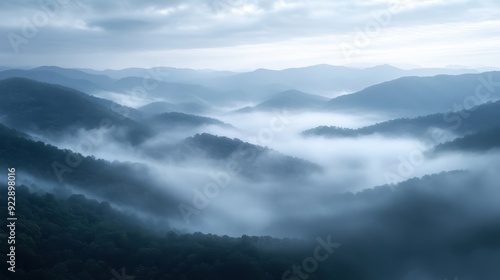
point(479, 68)
point(249, 34)
point(250, 139)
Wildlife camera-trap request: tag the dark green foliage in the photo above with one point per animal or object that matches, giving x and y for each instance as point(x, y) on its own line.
point(56, 111)
point(480, 141)
point(219, 147)
point(256, 162)
point(331, 131)
point(77, 238)
point(443, 225)
point(116, 182)
point(176, 120)
point(385, 234)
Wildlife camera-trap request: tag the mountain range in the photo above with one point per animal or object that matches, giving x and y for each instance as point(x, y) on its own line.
point(55, 111)
point(255, 86)
point(169, 158)
point(460, 123)
point(417, 96)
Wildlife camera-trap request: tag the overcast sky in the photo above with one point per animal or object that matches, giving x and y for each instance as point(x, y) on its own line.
point(249, 34)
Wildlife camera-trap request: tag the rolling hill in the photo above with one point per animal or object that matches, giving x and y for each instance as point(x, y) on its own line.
point(43, 75)
point(328, 79)
point(291, 100)
point(419, 221)
point(481, 141)
point(161, 107)
point(174, 120)
point(256, 163)
point(55, 111)
point(482, 117)
point(170, 92)
point(97, 79)
point(415, 96)
point(115, 182)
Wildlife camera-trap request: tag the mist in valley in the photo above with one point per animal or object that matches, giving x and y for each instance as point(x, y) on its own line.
point(240, 193)
point(250, 140)
point(284, 166)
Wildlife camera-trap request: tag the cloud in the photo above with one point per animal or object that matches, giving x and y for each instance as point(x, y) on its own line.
point(302, 32)
point(122, 24)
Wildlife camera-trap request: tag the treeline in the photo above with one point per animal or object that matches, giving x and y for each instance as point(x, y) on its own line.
point(123, 183)
point(78, 238)
point(480, 118)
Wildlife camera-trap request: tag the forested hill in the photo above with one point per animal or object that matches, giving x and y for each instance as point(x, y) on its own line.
point(114, 181)
point(56, 111)
point(79, 239)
